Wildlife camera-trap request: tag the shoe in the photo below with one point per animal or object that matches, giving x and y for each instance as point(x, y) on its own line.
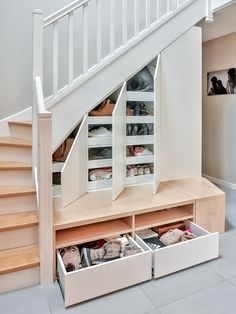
point(141, 151)
point(146, 169)
point(129, 151)
point(100, 174)
point(129, 130)
point(129, 111)
point(100, 153)
point(105, 109)
point(100, 132)
point(137, 109)
point(88, 256)
point(140, 170)
point(172, 236)
point(134, 130)
point(150, 129)
point(131, 250)
point(112, 249)
point(71, 258)
point(130, 171)
point(143, 130)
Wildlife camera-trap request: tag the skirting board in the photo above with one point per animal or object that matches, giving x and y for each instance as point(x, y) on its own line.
point(221, 182)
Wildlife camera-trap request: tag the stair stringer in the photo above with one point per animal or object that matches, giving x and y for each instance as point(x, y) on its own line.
point(68, 111)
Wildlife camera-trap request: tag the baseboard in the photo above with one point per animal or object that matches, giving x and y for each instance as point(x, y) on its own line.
point(221, 182)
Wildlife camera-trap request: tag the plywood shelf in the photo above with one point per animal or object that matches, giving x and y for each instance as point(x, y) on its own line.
point(91, 232)
point(161, 217)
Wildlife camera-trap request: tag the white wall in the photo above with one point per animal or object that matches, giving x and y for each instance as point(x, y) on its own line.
point(219, 113)
point(16, 51)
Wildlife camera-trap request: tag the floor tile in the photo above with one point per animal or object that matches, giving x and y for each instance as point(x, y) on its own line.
point(170, 288)
point(131, 300)
point(217, 299)
point(25, 301)
point(224, 266)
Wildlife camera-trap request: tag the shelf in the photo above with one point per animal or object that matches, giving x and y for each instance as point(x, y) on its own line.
point(139, 139)
point(56, 190)
point(146, 178)
point(91, 232)
point(100, 141)
point(161, 217)
point(140, 96)
point(57, 166)
point(100, 120)
point(139, 119)
point(102, 184)
point(99, 163)
point(139, 160)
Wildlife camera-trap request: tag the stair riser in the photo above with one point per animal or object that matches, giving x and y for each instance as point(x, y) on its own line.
point(18, 204)
point(18, 237)
point(16, 177)
point(23, 132)
point(15, 154)
point(20, 279)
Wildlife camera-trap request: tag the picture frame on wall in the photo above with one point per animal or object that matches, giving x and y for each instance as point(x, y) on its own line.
point(221, 82)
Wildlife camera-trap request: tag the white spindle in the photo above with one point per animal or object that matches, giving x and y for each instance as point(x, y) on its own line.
point(168, 7)
point(112, 26)
point(85, 38)
point(209, 14)
point(55, 58)
point(136, 17)
point(158, 10)
point(177, 4)
point(147, 13)
point(124, 21)
point(99, 31)
point(71, 47)
point(37, 71)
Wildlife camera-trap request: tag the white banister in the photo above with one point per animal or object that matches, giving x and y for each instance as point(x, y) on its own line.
point(43, 176)
point(85, 38)
point(124, 21)
point(55, 58)
point(168, 9)
point(71, 47)
point(136, 17)
point(148, 13)
point(112, 26)
point(99, 30)
point(209, 11)
point(158, 10)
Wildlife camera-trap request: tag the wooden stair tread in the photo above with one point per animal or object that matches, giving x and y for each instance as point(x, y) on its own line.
point(6, 191)
point(13, 165)
point(21, 123)
point(19, 259)
point(15, 142)
point(18, 220)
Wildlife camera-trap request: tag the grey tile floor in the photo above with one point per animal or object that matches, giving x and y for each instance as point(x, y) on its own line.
point(204, 289)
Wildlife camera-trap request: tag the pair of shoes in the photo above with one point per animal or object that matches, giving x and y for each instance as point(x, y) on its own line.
point(146, 129)
point(132, 129)
point(135, 108)
point(100, 153)
point(129, 151)
point(138, 170)
point(139, 129)
point(104, 109)
point(100, 174)
point(100, 132)
point(142, 151)
point(71, 258)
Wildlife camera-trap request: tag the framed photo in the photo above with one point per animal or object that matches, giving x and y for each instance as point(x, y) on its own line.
point(221, 82)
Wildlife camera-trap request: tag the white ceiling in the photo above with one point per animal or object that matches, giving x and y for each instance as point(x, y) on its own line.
point(224, 23)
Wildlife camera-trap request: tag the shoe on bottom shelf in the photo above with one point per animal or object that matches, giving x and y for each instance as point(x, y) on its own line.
point(71, 258)
point(99, 132)
point(100, 174)
point(88, 256)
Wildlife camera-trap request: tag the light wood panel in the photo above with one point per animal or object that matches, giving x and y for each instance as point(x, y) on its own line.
point(6, 191)
point(91, 232)
point(18, 220)
point(11, 165)
point(161, 217)
point(15, 142)
point(19, 259)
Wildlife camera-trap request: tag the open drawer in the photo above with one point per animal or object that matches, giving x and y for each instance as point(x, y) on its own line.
point(181, 255)
point(87, 283)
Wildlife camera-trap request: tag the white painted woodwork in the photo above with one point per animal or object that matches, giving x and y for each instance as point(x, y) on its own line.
point(147, 178)
point(99, 30)
point(124, 22)
point(157, 122)
point(99, 120)
point(85, 284)
point(209, 11)
point(55, 58)
point(74, 174)
point(20, 279)
point(19, 237)
point(85, 38)
point(57, 166)
point(99, 185)
point(56, 190)
point(139, 139)
point(102, 141)
point(18, 204)
point(139, 160)
point(140, 96)
point(100, 163)
point(148, 12)
point(16, 177)
point(181, 115)
point(71, 47)
point(139, 119)
point(136, 17)
point(112, 26)
point(118, 144)
point(185, 254)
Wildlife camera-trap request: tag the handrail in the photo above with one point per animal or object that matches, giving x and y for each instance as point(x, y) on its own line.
point(40, 103)
point(60, 13)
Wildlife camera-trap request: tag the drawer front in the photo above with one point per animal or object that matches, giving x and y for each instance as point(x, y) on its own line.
point(185, 254)
point(91, 282)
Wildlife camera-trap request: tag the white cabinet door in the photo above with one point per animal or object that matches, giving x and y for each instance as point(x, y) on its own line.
point(74, 175)
point(181, 103)
point(118, 144)
point(157, 122)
